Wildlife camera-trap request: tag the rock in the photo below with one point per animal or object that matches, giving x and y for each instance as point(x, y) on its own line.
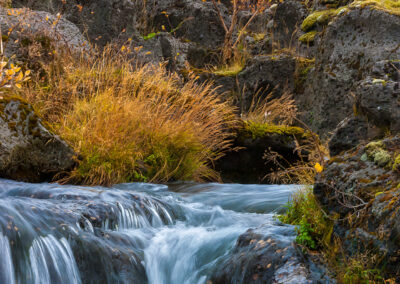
point(28, 151)
point(246, 164)
point(260, 256)
point(264, 74)
point(287, 20)
point(364, 183)
point(25, 27)
point(349, 133)
point(195, 21)
point(378, 96)
point(349, 48)
point(101, 20)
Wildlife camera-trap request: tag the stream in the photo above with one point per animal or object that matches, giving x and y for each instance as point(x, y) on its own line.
point(132, 233)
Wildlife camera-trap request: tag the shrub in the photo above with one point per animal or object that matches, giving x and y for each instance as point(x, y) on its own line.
point(133, 123)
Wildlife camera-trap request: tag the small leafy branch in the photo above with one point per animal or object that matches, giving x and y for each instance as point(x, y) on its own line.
point(10, 74)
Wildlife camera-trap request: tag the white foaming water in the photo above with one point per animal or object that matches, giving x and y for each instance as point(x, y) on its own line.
point(133, 233)
point(52, 261)
point(6, 263)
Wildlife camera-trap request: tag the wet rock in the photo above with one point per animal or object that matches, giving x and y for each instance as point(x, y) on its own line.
point(268, 257)
point(349, 48)
point(362, 188)
point(28, 150)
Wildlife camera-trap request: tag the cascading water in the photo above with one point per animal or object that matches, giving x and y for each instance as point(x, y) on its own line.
point(131, 233)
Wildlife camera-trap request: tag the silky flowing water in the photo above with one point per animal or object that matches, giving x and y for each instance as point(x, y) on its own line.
point(130, 233)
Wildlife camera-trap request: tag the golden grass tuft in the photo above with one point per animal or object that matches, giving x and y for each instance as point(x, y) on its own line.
point(132, 123)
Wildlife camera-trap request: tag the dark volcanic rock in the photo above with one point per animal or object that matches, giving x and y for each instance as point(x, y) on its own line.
point(28, 151)
point(378, 96)
point(266, 73)
point(268, 257)
point(362, 187)
point(287, 21)
point(349, 48)
point(349, 133)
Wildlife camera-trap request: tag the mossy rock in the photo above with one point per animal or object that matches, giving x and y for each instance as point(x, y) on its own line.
point(396, 164)
point(308, 38)
point(260, 130)
point(28, 150)
point(321, 17)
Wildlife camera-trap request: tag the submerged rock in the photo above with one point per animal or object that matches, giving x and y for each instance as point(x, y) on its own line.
point(28, 150)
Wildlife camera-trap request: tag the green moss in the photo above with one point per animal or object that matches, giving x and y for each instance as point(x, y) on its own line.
point(259, 130)
point(389, 6)
point(303, 68)
point(396, 163)
point(308, 38)
point(321, 17)
point(376, 152)
point(230, 70)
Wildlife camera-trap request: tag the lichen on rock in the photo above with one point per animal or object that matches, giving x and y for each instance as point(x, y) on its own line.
point(29, 151)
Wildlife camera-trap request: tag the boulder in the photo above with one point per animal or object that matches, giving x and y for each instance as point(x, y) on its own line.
point(378, 96)
point(28, 150)
point(265, 257)
point(349, 133)
point(22, 27)
point(349, 48)
point(361, 188)
point(101, 20)
point(264, 74)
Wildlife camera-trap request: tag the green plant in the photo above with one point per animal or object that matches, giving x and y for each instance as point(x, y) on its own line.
point(313, 226)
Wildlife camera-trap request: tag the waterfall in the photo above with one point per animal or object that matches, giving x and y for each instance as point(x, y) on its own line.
point(52, 261)
point(6, 263)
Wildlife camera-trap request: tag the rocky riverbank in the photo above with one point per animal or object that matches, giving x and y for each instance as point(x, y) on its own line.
point(338, 60)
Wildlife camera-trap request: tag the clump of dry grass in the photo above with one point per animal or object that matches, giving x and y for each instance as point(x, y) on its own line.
point(133, 123)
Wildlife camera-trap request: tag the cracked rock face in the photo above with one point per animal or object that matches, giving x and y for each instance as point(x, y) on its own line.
point(28, 151)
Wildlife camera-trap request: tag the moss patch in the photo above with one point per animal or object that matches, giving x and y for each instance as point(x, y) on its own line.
point(376, 152)
point(396, 164)
point(321, 18)
point(389, 6)
point(259, 130)
point(308, 38)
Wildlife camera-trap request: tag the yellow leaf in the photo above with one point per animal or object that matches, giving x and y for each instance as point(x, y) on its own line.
point(123, 48)
point(27, 72)
point(318, 167)
point(18, 86)
point(19, 76)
